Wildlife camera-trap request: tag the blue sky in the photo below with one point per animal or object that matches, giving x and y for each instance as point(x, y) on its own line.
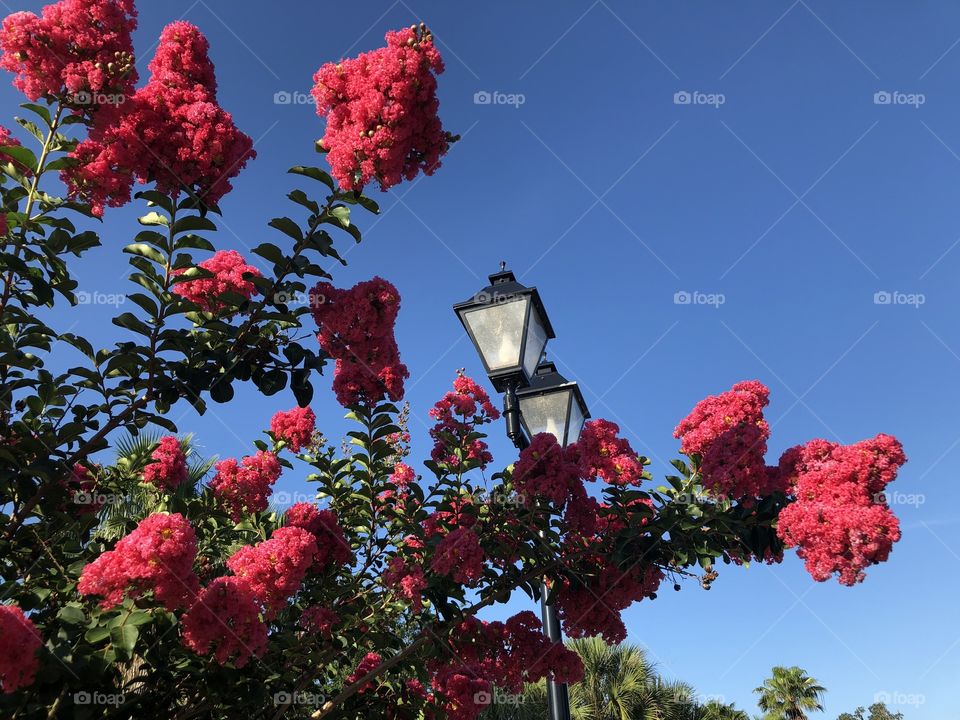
point(787, 188)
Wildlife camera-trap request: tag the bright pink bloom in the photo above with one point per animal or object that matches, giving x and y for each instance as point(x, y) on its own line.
point(356, 328)
point(245, 488)
point(371, 661)
point(169, 469)
point(156, 557)
point(729, 433)
point(295, 427)
point(546, 470)
point(319, 620)
point(840, 522)
point(19, 643)
point(458, 414)
point(172, 132)
point(407, 580)
point(332, 546)
point(77, 50)
point(225, 620)
point(381, 110)
point(605, 455)
point(229, 270)
point(459, 555)
point(275, 568)
point(402, 475)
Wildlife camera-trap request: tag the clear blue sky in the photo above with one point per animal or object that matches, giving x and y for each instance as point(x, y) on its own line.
point(797, 199)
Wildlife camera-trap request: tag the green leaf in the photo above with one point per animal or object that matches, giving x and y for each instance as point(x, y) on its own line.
point(96, 634)
point(288, 227)
point(154, 218)
point(341, 213)
point(72, 615)
point(315, 174)
point(155, 197)
point(300, 197)
point(40, 110)
point(144, 250)
point(269, 251)
point(193, 222)
point(22, 155)
point(124, 638)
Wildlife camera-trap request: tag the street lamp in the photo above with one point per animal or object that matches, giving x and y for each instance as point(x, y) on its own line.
point(552, 404)
point(509, 327)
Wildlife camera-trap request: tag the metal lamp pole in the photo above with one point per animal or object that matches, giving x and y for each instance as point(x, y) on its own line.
point(558, 698)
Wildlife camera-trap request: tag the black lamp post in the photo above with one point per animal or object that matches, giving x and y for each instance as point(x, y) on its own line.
point(509, 327)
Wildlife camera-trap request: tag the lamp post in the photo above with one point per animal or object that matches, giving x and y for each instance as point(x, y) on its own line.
point(509, 328)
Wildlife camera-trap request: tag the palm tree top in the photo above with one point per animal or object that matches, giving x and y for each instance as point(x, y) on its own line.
point(789, 694)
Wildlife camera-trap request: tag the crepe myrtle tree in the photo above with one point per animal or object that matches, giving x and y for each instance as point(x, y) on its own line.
point(138, 580)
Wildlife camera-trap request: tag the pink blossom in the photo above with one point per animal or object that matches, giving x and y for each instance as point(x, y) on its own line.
point(460, 556)
point(381, 111)
point(19, 643)
point(225, 620)
point(275, 568)
point(332, 546)
point(245, 487)
point(169, 469)
point(295, 427)
point(156, 557)
point(230, 272)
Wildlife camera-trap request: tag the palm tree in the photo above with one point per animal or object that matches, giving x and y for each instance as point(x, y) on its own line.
point(789, 694)
point(714, 710)
point(619, 683)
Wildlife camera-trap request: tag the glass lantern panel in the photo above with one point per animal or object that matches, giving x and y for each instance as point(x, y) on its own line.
point(536, 342)
point(498, 332)
point(546, 413)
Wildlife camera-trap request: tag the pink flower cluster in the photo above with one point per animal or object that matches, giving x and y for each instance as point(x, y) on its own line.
point(840, 522)
point(74, 48)
point(458, 414)
point(591, 600)
point(546, 470)
point(356, 328)
point(407, 580)
point(502, 655)
point(402, 475)
point(225, 620)
point(229, 270)
point(332, 546)
point(245, 487)
point(729, 433)
point(295, 427)
point(605, 455)
point(381, 109)
point(319, 620)
point(19, 643)
point(156, 557)
point(371, 661)
point(459, 555)
point(172, 132)
point(169, 467)
point(275, 568)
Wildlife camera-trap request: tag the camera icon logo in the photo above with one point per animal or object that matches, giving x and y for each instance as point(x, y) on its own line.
point(882, 97)
point(882, 297)
point(82, 698)
point(282, 97)
point(482, 97)
point(282, 698)
point(682, 297)
point(482, 698)
point(682, 97)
